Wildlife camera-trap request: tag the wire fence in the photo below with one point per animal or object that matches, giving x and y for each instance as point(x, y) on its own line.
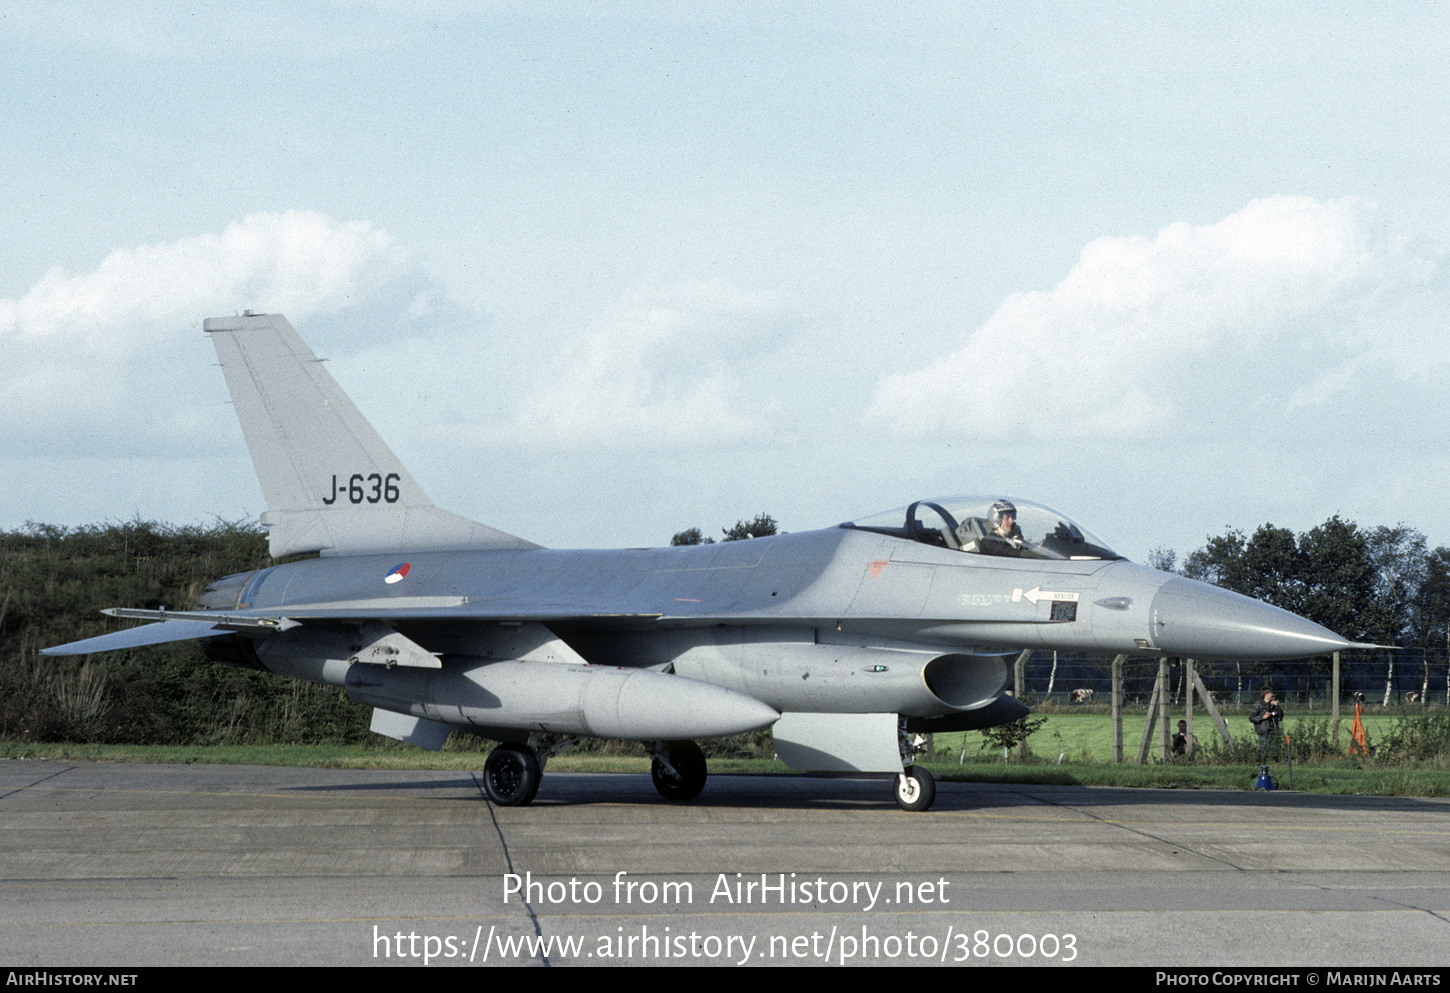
point(1409, 678)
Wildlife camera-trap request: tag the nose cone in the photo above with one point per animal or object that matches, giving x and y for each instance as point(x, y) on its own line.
point(1197, 620)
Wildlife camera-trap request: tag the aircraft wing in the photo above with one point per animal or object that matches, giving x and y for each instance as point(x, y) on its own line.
point(186, 625)
point(274, 620)
point(190, 625)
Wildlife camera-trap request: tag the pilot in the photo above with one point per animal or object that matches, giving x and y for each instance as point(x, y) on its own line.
point(1005, 530)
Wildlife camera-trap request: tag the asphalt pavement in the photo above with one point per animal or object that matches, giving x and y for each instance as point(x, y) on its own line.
point(107, 864)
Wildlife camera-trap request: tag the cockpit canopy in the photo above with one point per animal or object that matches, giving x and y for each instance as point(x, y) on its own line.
point(980, 525)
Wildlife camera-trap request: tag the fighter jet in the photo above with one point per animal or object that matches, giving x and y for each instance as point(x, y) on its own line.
point(850, 642)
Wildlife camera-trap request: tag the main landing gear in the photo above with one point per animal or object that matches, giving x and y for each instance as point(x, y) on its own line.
point(678, 769)
point(511, 775)
point(512, 771)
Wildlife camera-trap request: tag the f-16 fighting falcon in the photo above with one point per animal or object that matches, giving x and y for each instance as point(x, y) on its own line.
point(850, 641)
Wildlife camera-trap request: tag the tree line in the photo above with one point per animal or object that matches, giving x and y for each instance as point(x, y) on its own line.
point(53, 582)
point(760, 527)
point(1380, 585)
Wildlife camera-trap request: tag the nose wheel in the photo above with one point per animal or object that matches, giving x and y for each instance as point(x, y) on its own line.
point(915, 788)
point(678, 770)
point(511, 775)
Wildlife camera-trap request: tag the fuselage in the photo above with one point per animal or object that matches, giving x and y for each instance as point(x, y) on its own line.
point(839, 586)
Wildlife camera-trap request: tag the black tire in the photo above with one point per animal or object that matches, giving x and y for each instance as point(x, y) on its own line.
point(689, 763)
point(511, 775)
point(915, 789)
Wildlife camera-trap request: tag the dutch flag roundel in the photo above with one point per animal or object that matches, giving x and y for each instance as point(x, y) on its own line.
point(399, 571)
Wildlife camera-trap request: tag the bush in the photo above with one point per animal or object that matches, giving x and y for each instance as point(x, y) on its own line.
point(1312, 740)
point(1240, 750)
point(1009, 736)
point(55, 580)
point(1416, 737)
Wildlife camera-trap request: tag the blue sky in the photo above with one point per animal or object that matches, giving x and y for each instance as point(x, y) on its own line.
point(601, 272)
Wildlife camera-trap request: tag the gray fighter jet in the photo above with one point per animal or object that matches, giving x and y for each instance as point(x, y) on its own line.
point(850, 641)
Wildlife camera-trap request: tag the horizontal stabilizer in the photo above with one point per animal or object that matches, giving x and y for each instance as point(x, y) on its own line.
point(146, 634)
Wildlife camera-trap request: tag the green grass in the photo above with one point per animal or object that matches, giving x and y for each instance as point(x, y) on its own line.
point(343, 757)
point(1074, 747)
point(1343, 776)
point(1085, 736)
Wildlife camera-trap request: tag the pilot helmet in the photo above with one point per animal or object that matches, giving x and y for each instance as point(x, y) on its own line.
point(1002, 507)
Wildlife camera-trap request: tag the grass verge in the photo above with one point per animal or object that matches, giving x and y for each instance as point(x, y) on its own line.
point(1342, 777)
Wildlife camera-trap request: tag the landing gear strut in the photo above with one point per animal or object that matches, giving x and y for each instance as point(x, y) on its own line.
point(511, 775)
point(678, 770)
point(915, 788)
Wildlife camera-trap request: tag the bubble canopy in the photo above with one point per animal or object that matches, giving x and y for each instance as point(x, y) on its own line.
point(986, 525)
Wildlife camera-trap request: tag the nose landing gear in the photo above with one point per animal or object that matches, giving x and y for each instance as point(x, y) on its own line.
point(915, 788)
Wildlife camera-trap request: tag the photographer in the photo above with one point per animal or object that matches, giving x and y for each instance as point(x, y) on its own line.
point(1266, 717)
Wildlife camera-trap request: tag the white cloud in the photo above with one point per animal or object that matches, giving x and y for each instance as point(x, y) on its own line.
point(114, 357)
point(663, 366)
point(298, 262)
point(1145, 334)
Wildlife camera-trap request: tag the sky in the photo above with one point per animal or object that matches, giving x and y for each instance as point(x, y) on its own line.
point(603, 272)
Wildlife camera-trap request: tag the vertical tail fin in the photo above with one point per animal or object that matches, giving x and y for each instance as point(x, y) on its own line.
point(331, 484)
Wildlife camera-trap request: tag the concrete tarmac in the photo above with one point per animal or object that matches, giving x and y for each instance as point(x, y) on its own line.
point(114, 865)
